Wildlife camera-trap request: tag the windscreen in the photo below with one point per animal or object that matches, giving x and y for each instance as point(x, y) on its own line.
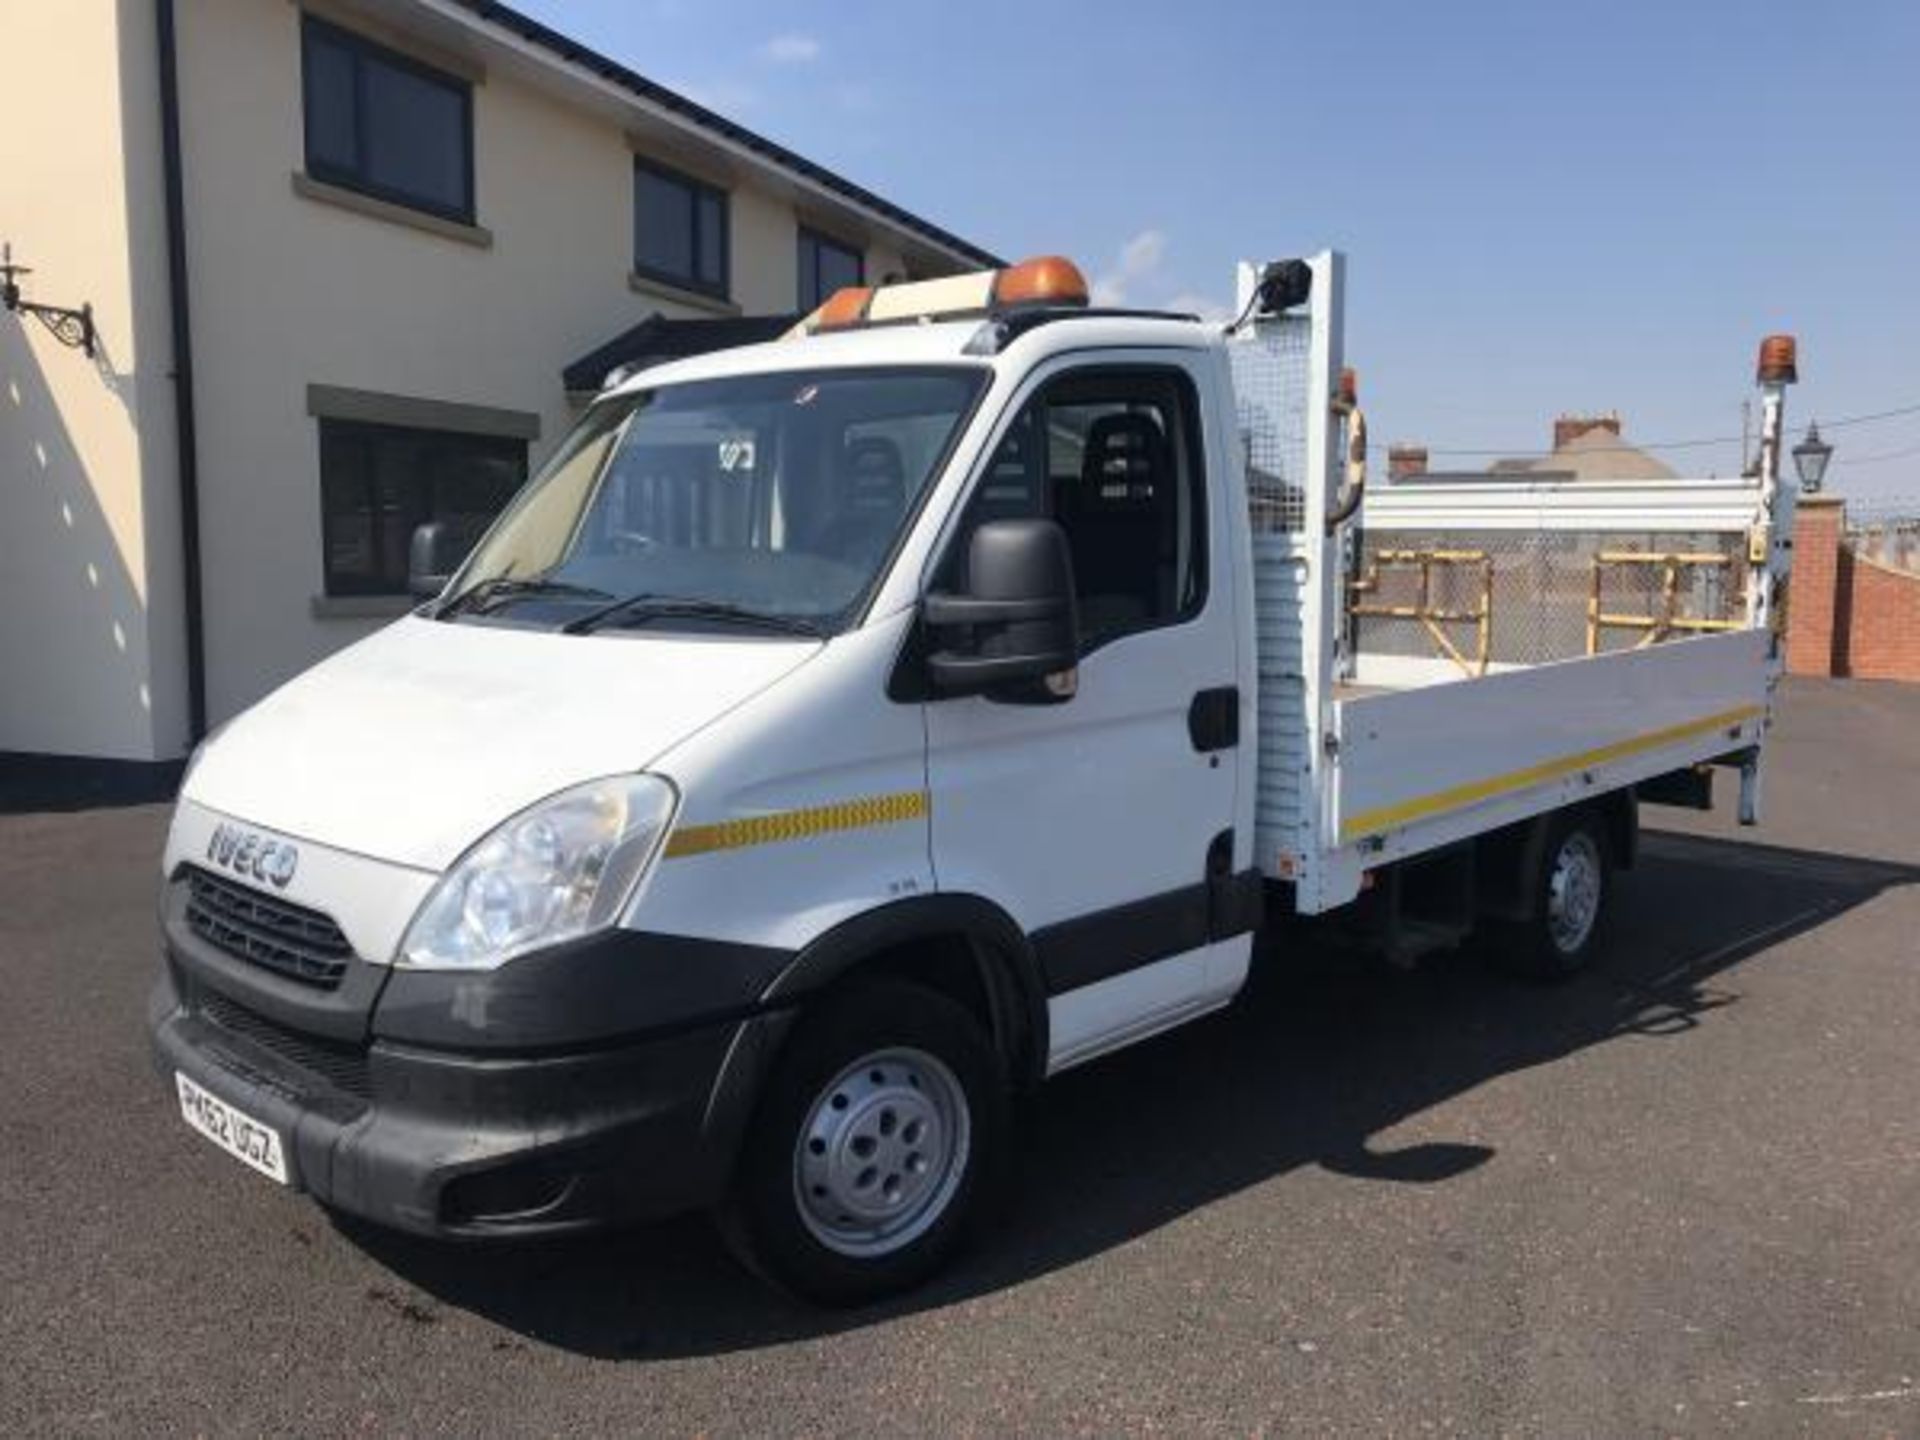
point(781, 494)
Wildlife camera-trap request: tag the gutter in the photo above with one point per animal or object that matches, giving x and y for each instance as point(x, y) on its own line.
point(185, 435)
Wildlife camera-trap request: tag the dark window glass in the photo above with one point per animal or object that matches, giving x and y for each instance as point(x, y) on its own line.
point(378, 482)
point(385, 124)
point(826, 266)
point(679, 229)
point(1114, 456)
point(712, 233)
point(331, 129)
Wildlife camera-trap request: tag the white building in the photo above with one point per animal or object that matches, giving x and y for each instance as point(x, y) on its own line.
point(340, 255)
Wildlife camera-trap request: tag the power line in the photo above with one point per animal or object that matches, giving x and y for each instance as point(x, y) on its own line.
point(1843, 461)
point(1840, 424)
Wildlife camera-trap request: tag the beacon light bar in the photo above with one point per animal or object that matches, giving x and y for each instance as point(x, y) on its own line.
point(1046, 280)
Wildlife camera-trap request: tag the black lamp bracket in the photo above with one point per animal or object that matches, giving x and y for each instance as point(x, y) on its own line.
point(72, 328)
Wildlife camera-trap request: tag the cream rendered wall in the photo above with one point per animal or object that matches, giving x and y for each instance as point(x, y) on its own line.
point(91, 631)
point(289, 291)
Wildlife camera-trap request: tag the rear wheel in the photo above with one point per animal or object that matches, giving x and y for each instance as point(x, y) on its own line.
point(1572, 896)
point(882, 1131)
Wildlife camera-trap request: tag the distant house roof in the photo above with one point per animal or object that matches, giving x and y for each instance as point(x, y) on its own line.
point(574, 53)
point(1599, 454)
point(657, 339)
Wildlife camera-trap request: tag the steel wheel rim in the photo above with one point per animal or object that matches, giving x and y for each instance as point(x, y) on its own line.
point(1573, 892)
point(882, 1152)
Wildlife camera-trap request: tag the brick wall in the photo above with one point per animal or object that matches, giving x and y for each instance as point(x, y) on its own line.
point(1847, 615)
point(1814, 589)
point(1879, 632)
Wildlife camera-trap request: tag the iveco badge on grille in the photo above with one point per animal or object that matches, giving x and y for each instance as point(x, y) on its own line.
point(253, 856)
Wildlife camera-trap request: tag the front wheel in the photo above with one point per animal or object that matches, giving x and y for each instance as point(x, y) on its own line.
point(1572, 895)
point(882, 1131)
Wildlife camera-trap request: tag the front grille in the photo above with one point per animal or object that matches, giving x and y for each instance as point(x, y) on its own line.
point(341, 1065)
point(289, 940)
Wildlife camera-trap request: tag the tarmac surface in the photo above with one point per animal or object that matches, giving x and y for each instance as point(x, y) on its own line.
point(1678, 1195)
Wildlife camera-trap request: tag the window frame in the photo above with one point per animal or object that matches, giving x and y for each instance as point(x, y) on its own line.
point(356, 179)
point(362, 433)
point(1191, 436)
point(696, 188)
point(808, 234)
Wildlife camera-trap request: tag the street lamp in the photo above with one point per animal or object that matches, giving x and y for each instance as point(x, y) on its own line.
point(1810, 458)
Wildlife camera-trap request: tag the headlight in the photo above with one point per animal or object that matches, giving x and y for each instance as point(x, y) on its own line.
point(563, 868)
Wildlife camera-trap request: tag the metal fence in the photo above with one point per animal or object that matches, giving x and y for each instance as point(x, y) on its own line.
point(1527, 597)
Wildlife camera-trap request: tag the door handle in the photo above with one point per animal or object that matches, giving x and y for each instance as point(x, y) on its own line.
point(1213, 719)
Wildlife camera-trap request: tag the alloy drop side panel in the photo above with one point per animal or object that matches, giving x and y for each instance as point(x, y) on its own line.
point(1425, 767)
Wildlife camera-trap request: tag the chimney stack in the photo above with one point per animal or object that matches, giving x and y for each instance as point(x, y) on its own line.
point(1569, 428)
point(1404, 460)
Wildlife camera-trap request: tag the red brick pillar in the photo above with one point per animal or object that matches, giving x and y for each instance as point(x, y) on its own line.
point(1813, 596)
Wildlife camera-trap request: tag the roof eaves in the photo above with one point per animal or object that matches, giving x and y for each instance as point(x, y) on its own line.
point(573, 52)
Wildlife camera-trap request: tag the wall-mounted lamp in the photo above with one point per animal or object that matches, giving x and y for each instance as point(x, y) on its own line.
point(72, 328)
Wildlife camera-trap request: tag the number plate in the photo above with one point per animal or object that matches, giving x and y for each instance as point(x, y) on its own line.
point(234, 1131)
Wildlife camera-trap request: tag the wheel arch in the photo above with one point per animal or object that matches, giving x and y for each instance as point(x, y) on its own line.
point(934, 939)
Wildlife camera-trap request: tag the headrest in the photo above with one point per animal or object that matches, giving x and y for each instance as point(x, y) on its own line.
point(1124, 460)
point(876, 474)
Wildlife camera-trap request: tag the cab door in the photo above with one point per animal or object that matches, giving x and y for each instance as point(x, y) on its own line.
point(1104, 823)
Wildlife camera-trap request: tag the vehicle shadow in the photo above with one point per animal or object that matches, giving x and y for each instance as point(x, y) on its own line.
point(1319, 1057)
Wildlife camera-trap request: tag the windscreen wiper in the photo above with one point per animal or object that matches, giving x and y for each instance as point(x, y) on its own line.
point(502, 587)
point(650, 606)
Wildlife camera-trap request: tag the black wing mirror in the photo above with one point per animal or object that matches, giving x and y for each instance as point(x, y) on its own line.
point(1014, 633)
point(432, 557)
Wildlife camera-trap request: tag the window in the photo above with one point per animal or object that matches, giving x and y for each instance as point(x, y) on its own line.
point(377, 482)
point(386, 125)
point(784, 494)
point(679, 229)
point(826, 266)
point(1114, 456)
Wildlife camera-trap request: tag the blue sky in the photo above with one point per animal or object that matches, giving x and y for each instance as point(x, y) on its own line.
point(1546, 206)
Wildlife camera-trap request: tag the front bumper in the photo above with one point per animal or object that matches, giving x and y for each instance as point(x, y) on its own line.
point(466, 1145)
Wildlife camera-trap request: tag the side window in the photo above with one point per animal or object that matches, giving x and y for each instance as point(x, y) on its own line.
point(379, 481)
point(1114, 456)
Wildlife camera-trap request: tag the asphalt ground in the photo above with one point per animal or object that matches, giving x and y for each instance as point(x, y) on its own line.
point(1679, 1195)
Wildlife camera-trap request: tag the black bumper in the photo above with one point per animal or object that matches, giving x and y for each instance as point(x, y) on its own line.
point(473, 1145)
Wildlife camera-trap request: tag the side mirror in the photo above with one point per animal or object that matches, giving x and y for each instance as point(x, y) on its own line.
point(1015, 632)
point(431, 559)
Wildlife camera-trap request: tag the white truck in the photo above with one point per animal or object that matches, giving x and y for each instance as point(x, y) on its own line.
point(840, 736)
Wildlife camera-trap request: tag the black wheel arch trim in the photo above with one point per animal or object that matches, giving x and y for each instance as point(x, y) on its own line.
point(1004, 957)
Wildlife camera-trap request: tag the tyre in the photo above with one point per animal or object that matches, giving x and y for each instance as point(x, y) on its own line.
point(1572, 895)
point(881, 1134)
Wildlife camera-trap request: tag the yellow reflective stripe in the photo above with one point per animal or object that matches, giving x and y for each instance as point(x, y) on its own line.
point(798, 824)
point(1385, 817)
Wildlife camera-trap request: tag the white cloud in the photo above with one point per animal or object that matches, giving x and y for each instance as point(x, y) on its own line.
point(1139, 258)
point(791, 50)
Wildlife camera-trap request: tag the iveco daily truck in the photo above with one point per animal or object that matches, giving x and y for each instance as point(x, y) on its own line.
point(839, 736)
